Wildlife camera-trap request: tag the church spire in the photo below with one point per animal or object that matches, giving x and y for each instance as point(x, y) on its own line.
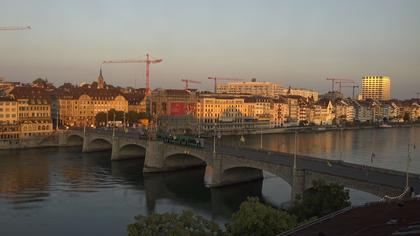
point(101, 81)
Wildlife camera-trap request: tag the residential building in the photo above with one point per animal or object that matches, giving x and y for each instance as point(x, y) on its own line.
point(323, 112)
point(344, 111)
point(266, 89)
point(363, 111)
point(8, 110)
point(9, 127)
point(34, 111)
point(306, 93)
point(79, 105)
point(376, 87)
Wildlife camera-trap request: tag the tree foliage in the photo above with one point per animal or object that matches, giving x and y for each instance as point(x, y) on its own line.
point(253, 217)
point(320, 200)
point(257, 219)
point(171, 224)
point(131, 116)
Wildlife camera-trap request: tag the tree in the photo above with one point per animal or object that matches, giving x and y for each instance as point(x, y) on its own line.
point(186, 223)
point(133, 116)
point(407, 117)
point(39, 81)
point(255, 218)
point(320, 200)
point(100, 119)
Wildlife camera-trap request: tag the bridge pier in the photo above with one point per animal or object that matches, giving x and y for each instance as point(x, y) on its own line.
point(62, 138)
point(85, 146)
point(154, 158)
point(115, 154)
point(298, 183)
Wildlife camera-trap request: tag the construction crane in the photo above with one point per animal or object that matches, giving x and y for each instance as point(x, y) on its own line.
point(148, 61)
point(351, 86)
point(15, 27)
point(338, 81)
point(187, 81)
point(220, 78)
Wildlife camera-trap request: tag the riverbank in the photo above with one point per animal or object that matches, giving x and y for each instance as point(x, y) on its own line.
point(308, 129)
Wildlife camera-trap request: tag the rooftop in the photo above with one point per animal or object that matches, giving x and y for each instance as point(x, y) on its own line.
point(380, 218)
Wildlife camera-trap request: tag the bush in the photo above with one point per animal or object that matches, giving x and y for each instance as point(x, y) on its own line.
point(320, 200)
point(257, 219)
point(173, 224)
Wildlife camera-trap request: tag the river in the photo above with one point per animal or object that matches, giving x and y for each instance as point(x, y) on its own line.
point(61, 191)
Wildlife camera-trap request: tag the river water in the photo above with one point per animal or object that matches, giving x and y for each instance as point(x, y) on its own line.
point(60, 191)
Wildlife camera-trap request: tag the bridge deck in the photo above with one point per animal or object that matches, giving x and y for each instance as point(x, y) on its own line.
point(331, 167)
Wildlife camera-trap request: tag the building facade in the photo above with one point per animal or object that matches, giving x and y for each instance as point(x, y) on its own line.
point(266, 89)
point(33, 111)
point(376, 87)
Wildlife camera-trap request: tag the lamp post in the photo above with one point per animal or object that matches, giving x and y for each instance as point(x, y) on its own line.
point(214, 137)
point(113, 127)
point(295, 152)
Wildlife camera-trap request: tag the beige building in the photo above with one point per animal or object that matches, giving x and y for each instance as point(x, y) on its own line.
point(78, 106)
point(266, 89)
point(376, 87)
point(8, 111)
point(306, 93)
point(9, 127)
point(33, 111)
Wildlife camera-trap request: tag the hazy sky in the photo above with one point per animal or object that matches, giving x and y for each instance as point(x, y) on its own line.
point(297, 43)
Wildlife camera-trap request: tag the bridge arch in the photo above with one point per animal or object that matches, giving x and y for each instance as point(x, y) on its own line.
point(131, 150)
point(179, 160)
point(74, 140)
point(99, 144)
point(283, 172)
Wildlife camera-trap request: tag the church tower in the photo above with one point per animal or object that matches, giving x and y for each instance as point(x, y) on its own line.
point(101, 81)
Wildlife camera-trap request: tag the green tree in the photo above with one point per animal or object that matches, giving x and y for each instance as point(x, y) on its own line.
point(406, 117)
point(172, 224)
point(39, 81)
point(119, 115)
point(320, 200)
point(257, 219)
point(133, 116)
point(100, 119)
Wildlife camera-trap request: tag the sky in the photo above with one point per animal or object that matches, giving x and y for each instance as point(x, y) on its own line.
point(297, 43)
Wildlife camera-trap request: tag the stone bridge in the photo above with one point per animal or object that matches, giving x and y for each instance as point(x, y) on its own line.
point(230, 165)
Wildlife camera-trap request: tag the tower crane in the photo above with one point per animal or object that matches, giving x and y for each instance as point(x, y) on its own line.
point(221, 78)
point(147, 61)
point(187, 81)
point(338, 81)
point(351, 86)
point(15, 28)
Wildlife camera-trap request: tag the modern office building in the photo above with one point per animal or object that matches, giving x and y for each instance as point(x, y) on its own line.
point(376, 87)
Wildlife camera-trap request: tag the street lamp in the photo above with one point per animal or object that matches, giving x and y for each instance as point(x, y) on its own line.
point(214, 137)
point(295, 152)
point(113, 127)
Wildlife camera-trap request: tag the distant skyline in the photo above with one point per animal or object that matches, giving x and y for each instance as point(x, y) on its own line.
point(297, 43)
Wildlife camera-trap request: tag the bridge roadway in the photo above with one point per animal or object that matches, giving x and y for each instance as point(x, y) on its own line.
point(233, 165)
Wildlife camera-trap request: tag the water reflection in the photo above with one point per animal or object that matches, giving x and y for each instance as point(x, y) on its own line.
point(59, 186)
point(389, 146)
